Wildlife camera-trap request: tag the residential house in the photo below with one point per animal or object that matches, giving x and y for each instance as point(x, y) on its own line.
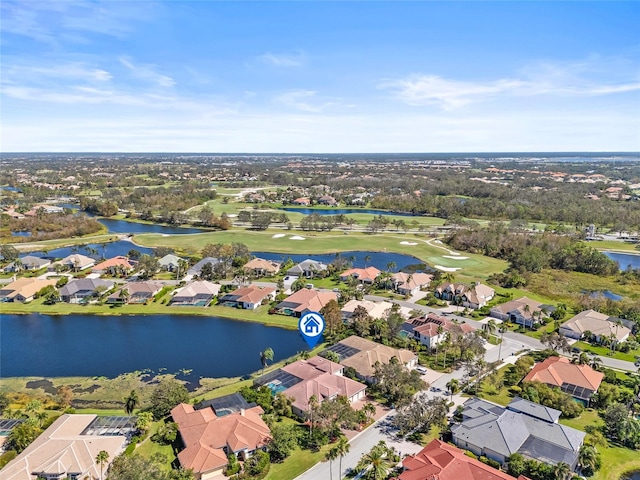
point(208, 438)
point(29, 262)
point(579, 381)
point(432, 329)
point(374, 309)
point(317, 377)
point(76, 262)
point(197, 268)
point(302, 201)
point(523, 311)
point(170, 262)
point(136, 292)
point(363, 355)
point(260, 267)
point(307, 269)
point(114, 266)
point(327, 200)
point(69, 447)
point(305, 300)
point(23, 289)
point(249, 297)
point(523, 427)
point(410, 283)
point(442, 461)
point(196, 294)
point(600, 325)
point(470, 296)
point(80, 290)
point(363, 275)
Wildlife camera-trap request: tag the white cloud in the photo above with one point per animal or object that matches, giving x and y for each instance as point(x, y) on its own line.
point(580, 79)
point(304, 100)
point(283, 59)
point(147, 72)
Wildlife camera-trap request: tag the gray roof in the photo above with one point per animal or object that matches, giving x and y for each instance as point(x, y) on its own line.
point(307, 265)
point(84, 284)
point(507, 431)
point(195, 270)
point(34, 262)
point(534, 410)
point(169, 259)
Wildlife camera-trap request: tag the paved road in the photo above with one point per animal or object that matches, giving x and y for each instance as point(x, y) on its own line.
point(380, 430)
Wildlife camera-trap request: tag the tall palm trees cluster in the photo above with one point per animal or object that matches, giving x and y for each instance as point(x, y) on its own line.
point(378, 462)
point(338, 450)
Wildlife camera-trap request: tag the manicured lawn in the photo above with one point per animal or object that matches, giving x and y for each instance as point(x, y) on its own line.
point(616, 461)
point(604, 351)
point(297, 463)
point(66, 242)
point(476, 266)
point(148, 448)
point(588, 417)
point(613, 246)
point(488, 392)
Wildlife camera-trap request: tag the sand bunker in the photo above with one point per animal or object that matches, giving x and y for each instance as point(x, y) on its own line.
point(296, 237)
point(408, 243)
point(279, 235)
point(455, 258)
point(166, 235)
point(232, 215)
point(446, 269)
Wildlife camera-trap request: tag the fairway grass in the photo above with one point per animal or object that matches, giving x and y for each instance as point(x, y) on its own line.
point(476, 266)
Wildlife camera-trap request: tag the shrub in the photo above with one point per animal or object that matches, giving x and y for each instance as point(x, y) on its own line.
point(470, 454)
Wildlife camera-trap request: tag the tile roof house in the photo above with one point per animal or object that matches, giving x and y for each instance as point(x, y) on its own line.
point(307, 268)
point(64, 449)
point(474, 296)
point(138, 292)
point(522, 427)
point(23, 289)
point(249, 297)
point(441, 461)
point(197, 268)
point(76, 262)
point(317, 377)
point(522, 311)
point(113, 266)
point(362, 355)
point(327, 200)
point(305, 300)
point(170, 262)
point(29, 262)
point(301, 201)
point(599, 324)
point(79, 290)
point(410, 284)
point(374, 309)
point(363, 275)
point(579, 381)
point(207, 438)
point(261, 267)
point(199, 294)
point(425, 329)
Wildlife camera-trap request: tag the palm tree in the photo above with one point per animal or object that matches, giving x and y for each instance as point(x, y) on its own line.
point(454, 386)
point(266, 355)
point(313, 405)
point(131, 402)
point(367, 259)
point(101, 459)
point(377, 462)
point(369, 410)
point(581, 359)
point(41, 417)
point(331, 455)
point(562, 471)
point(501, 330)
point(587, 457)
point(342, 448)
point(490, 327)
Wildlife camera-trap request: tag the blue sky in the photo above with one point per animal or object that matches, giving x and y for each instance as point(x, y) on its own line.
point(304, 76)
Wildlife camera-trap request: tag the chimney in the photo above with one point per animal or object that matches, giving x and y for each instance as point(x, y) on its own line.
point(242, 412)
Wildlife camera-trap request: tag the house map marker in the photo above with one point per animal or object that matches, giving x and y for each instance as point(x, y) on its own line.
point(311, 326)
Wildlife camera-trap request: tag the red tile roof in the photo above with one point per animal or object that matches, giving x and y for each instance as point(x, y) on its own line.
point(559, 370)
point(441, 461)
point(362, 274)
point(205, 435)
point(114, 262)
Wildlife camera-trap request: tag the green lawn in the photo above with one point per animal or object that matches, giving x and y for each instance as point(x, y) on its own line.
point(615, 462)
point(297, 463)
point(604, 351)
point(501, 395)
point(147, 448)
point(588, 417)
point(476, 266)
point(66, 242)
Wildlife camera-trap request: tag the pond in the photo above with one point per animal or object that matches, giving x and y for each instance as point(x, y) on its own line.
point(122, 226)
point(631, 476)
point(96, 345)
point(625, 260)
point(380, 260)
point(20, 234)
point(346, 211)
point(94, 250)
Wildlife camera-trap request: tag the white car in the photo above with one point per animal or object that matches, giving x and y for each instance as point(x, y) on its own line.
point(422, 370)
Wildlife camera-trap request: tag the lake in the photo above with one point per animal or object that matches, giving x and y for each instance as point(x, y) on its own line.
point(346, 211)
point(122, 226)
point(379, 260)
point(631, 476)
point(95, 345)
point(112, 249)
point(625, 259)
